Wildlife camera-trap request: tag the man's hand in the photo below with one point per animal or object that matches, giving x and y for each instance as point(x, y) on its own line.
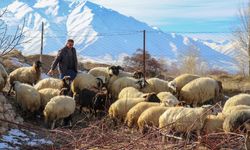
point(51, 72)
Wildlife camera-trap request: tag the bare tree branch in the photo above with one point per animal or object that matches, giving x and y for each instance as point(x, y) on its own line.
point(242, 40)
point(3, 12)
point(10, 42)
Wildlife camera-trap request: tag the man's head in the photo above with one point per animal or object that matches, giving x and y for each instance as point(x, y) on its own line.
point(70, 43)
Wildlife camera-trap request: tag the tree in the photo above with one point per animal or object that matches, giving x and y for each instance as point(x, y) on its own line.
point(9, 42)
point(191, 62)
point(135, 62)
point(242, 39)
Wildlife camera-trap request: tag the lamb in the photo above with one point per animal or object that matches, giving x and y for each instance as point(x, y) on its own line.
point(168, 98)
point(3, 77)
point(92, 99)
point(46, 94)
point(183, 119)
point(27, 96)
point(181, 81)
point(120, 108)
point(135, 112)
point(201, 90)
point(53, 83)
point(214, 123)
point(239, 120)
point(85, 81)
point(240, 99)
point(150, 117)
point(30, 75)
point(123, 82)
point(156, 85)
point(59, 107)
point(130, 92)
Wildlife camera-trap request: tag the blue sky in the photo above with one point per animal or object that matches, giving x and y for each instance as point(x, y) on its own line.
point(182, 15)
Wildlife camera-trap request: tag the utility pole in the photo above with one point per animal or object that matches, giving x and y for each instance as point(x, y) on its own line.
point(41, 52)
point(248, 47)
point(144, 53)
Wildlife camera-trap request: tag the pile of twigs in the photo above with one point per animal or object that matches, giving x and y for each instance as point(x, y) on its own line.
point(102, 134)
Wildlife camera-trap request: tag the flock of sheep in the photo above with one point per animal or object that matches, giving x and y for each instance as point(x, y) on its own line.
point(182, 105)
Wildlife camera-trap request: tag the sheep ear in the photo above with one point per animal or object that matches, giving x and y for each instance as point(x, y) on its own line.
point(120, 68)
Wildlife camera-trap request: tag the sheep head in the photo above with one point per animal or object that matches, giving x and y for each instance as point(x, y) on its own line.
point(173, 87)
point(114, 70)
point(64, 91)
point(99, 101)
point(100, 82)
point(66, 80)
point(141, 83)
point(37, 65)
point(152, 97)
point(138, 75)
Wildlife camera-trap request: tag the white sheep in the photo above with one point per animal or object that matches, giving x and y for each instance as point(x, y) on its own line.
point(150, 117)
point(46, 94)
point(201, 90)
point(214, 123)
point(135, 112)
point(3, 77)
point(106, 71)
point(53, 83)
point(120, 107)
point(123, 82)
point(30, 75)
point(233, 109)
point(240, 99)
point(59, 107)
point(156, 85)
point(182, 119)
point(130, 92)
point(101, 71)
point(181, 81)
point(27, 96)
point(109, 73)
point(168, 98)
point(113, 78)
point(85, 80)
point(237, 121)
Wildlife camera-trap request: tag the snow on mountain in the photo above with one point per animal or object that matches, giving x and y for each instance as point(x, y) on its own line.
point(225, 47)
point(100, 34)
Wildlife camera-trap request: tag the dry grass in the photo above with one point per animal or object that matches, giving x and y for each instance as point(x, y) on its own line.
point(234, 84)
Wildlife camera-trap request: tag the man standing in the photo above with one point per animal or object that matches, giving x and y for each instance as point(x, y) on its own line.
point(67, 60)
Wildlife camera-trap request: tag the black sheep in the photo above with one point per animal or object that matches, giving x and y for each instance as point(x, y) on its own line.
point(92, 99)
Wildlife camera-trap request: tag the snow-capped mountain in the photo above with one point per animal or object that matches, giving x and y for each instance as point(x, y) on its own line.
point(100, 34)
point(225, 47)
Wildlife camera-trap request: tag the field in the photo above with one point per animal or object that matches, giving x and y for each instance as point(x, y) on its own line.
point(89, 132)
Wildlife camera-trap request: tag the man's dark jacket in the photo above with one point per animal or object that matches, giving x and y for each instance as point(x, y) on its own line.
point(63, 59)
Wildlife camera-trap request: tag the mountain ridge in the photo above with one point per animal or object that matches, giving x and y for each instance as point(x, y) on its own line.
point(102, 34)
